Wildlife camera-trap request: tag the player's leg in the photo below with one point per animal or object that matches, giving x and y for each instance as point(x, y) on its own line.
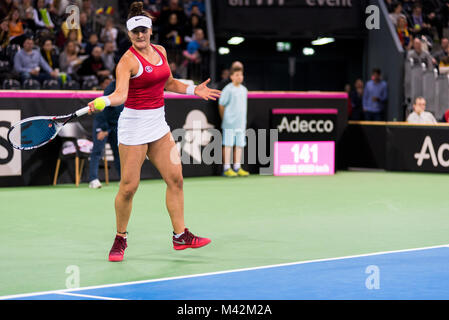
point(165, 157)
point(131, 160)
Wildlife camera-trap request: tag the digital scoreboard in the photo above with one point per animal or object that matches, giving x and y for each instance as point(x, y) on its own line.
point(306, 141)
point(304, 158)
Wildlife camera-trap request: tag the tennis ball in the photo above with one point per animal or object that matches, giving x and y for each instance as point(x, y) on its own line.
point(99, 104)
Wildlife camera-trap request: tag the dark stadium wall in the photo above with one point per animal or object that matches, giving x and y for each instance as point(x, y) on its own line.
point(329, 69)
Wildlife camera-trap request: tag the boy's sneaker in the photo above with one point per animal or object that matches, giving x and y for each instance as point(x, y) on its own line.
point(229, 173)
point(118, 249)
point(242, 173)
point(95, 184)
point(189, 240)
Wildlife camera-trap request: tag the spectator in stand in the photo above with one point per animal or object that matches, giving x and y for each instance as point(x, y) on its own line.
point(57, 7)
point(28, 20)
point(104, 82)
point(86, 26)
point(397, 12)
point(94, 65)
point(443, 66)
point(193, 23)
point(109, 55)
point(16, 32)
point(4, 33)
point(419, 56)
point(92, 43)
point(419, 114)
point(109, 33)
point(69, 60)
point(73, 35)
point(375, 97)
point(195, 7)
point(5, 8)
point(42, 16)
point(194, 47)
point(196, 10)
point(407, 7)
point(172, 33)
point(403, 33)
point(65, 28)
point(444, 50)
point(49, 54)
point(432, 11)
point(89, 10)
point(26, 4)
point(419, 23)
point(29, 63)
point(200, 38)
point(356, 99)
point(175, 8)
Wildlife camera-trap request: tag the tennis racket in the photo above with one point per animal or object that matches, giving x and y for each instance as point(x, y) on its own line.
point(34, 132)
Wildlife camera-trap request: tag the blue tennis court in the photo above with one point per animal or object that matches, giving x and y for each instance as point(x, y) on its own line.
point(421, 273)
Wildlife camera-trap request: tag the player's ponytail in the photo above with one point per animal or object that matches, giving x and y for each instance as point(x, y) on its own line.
point(136, 9)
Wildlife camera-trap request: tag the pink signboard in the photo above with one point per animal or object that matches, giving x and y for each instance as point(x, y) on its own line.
point(304, 158)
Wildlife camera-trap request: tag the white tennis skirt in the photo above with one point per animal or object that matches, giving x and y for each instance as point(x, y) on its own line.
point(136, 127)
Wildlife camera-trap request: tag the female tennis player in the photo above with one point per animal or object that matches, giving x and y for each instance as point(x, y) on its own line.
point(141, 76)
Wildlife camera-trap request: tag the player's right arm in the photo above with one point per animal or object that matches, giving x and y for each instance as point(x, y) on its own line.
point(126, 67)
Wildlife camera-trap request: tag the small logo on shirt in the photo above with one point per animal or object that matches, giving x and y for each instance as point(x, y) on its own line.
point(148, 69)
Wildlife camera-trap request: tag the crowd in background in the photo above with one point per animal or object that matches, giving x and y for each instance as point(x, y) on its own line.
point(420, 26)
point(41, 46)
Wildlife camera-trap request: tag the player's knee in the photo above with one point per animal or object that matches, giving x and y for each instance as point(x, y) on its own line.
point(176, 181)
point(128, 189)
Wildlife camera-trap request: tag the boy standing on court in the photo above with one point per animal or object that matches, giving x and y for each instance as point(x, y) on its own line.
point(232, 106)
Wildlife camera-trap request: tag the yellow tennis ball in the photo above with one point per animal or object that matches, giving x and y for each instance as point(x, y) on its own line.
point(99, 104)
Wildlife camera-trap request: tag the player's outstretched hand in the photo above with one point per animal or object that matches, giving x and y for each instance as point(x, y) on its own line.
point(206, 93)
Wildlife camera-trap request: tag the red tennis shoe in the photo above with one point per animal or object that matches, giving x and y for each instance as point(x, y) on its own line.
point(118, 249)
point(189, 240)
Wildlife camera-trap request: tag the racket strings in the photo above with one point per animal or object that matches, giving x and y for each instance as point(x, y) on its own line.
point(33, 133)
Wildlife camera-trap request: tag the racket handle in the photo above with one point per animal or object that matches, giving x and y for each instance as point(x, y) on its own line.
point(82, 111)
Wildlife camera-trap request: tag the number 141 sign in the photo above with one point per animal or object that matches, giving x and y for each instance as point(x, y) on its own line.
point(304, 158)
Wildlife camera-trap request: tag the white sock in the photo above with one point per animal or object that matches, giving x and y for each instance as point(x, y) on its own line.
point(236, 166)
point(178, 235)
point(226, 167)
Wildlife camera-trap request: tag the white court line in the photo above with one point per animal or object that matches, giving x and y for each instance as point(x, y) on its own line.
point(71, 291)
point(87, 296)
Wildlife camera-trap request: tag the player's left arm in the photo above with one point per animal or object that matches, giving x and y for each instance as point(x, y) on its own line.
point(177, 86)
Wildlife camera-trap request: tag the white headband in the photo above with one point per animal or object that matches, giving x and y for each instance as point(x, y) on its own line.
point(138, 21)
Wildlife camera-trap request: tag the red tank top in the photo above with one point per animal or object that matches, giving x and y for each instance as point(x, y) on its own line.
point(146, 89)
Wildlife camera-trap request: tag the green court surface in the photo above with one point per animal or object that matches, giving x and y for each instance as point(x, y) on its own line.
point(254, 221)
